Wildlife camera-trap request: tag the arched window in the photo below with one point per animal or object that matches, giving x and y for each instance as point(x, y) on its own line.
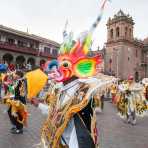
point(130, 32)
point(20, 62)
point(31, 61)
point(8, 58)
point(117, 32)
point(111, 33)
point(126, 30)
point(136, 76)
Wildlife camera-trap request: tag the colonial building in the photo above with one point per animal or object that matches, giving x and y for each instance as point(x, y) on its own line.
point(100, 67)
point(124, 55)
point(20, 48)
point(144, 62)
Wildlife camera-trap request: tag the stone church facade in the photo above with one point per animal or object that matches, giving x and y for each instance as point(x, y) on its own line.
point(124, 55)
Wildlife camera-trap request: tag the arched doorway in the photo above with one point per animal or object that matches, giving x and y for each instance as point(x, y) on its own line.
point(117, 32)
point(20, 62)
point(136, 76)
point(31, 61)
point(7, 58)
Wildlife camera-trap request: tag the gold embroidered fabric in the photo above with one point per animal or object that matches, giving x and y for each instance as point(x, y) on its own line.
point(58, 119)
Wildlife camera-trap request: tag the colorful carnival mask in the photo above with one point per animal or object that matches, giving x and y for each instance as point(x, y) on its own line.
point(74, 59)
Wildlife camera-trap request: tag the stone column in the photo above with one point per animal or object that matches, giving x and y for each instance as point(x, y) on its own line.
point(15, 41)
point(1, 56)
point(37, 60)
point(14, 58)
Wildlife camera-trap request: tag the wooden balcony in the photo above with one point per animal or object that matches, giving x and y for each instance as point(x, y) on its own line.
point(25, 50)
point(47, 55)
point(16, 48)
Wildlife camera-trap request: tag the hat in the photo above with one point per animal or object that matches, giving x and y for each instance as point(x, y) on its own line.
point(130, 77)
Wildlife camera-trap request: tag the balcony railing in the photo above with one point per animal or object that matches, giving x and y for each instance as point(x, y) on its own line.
point(46, 54)
point(27, 50)
point(16, 48)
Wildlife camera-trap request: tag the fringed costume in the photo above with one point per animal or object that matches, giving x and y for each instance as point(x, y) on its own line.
point(16, 101)
point(132, 101)
point(113, 92)
point(71, 121)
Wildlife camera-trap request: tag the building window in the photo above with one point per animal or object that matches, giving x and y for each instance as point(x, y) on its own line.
point(36, 46)
point(111, 33)
point(54, 52)
point(130, 32)
point(126, 31)
point(110, 61)
point(11, 41)
point(47, 50)
point(31, 45)
point(24, 44)
point(128, 58)
point(20, 43)
point(117, 32)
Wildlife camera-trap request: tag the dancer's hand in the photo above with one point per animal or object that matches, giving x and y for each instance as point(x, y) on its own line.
point(35, 102)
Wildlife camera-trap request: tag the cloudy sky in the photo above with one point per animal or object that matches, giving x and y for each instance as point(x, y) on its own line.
point(47, 17)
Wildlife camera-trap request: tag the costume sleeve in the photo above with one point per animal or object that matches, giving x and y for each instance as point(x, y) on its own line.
point(121, 88)
point(44, 108)
point(137, 87)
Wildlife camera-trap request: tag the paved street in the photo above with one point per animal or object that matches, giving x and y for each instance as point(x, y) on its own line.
point(31, 136)
point(114, 133)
